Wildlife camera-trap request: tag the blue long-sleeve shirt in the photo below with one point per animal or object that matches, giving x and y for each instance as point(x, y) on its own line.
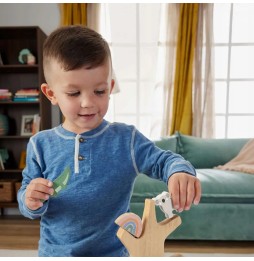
point(104, 163)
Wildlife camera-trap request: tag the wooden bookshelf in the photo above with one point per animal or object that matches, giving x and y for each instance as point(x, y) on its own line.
point(15, 76)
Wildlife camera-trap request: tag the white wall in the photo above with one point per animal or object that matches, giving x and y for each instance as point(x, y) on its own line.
point(44, 15)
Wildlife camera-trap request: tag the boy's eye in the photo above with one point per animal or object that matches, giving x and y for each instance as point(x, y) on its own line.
point(73, 94)
point(100, 92)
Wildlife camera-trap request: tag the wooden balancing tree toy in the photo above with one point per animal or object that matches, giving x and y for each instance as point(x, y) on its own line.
point(147, 237)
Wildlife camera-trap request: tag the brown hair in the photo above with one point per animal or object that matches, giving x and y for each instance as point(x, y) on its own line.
point(74, 47)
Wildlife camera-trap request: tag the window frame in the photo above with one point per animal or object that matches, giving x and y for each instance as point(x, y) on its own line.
point(228, 80)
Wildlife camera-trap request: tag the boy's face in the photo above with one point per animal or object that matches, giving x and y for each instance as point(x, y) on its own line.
point(81, 94)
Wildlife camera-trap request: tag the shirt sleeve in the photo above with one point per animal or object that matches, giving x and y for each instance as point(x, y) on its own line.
point(155, 162)
point(30, 172)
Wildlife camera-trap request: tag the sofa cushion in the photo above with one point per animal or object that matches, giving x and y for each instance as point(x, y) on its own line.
point(167, 143)
point(218, 186)
point(223, 186)
point(208, 153)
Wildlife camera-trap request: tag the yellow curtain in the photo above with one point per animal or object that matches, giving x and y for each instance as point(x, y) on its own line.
point(72, 14)
point(182, 97)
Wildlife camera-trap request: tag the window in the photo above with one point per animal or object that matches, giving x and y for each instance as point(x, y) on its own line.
point(234, 70)
point(132, 31)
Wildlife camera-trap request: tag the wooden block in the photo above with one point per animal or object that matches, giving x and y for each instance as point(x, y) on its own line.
point(130, 222)
point(151, 241)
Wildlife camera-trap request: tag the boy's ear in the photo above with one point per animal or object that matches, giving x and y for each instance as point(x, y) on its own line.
point(48, 93)
point(112, 85)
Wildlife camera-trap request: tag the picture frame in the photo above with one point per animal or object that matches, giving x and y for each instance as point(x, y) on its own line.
point(27, 125)
point(36, 123)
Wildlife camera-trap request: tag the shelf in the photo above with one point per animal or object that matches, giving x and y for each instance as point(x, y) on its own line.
point(19, 68)
point(11, 171)
point(8, 204)
point(19, 103)
point(15, 76)
point(16, 137)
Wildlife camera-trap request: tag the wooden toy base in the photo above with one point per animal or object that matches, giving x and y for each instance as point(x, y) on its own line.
point(153, 236)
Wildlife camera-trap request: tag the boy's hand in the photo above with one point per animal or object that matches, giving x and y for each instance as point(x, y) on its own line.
point(184, 189)
point(37, 191)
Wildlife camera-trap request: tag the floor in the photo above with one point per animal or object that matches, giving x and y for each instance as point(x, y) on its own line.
point(211, 247)
point(18, 233)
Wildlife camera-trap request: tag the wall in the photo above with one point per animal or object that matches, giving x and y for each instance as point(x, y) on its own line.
point(46, 16)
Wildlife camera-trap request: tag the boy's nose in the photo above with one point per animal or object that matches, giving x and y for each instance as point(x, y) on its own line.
point(86, 102)
point(84, 105)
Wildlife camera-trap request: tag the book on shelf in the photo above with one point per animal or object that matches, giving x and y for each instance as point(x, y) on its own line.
point(26, 95)
point(25, 99)
point(22, 162)
point(5, 95)
point(27, 91)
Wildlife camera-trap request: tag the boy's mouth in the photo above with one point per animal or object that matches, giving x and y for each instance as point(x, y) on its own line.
point(87, 116)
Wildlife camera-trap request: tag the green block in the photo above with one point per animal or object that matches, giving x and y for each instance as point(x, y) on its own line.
point(61, 181)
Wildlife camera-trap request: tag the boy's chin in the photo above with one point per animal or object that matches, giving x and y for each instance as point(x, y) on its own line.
point(89, 126)
point(83, 124)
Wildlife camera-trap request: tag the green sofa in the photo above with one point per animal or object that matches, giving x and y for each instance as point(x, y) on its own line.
point(226, 209)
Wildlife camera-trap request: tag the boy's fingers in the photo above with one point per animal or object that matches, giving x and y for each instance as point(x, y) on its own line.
point(197, 192)
point(190, 195)
point(37, 195)
point(40, 188)
point(40, 185)
point(184, 191)
point(174, 191)
point(34, 204)
point(42, 181)
point(183, 195)
point(37, 191)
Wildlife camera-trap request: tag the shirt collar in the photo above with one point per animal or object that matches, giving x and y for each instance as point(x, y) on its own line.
point(88, 134)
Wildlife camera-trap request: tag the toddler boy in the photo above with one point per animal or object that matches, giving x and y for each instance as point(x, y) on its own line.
point(104, 158)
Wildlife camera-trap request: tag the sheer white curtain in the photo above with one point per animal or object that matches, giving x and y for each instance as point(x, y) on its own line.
point(97, 20)
point(168, 41)
point(203, 85)
point(203, 88)
point(93, 16)
point(133, 38)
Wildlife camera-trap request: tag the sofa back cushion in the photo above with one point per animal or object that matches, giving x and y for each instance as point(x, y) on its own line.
point(167, 143)
point(208, 153)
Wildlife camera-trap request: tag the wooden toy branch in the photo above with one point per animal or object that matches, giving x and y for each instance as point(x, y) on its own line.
point(151, 241)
